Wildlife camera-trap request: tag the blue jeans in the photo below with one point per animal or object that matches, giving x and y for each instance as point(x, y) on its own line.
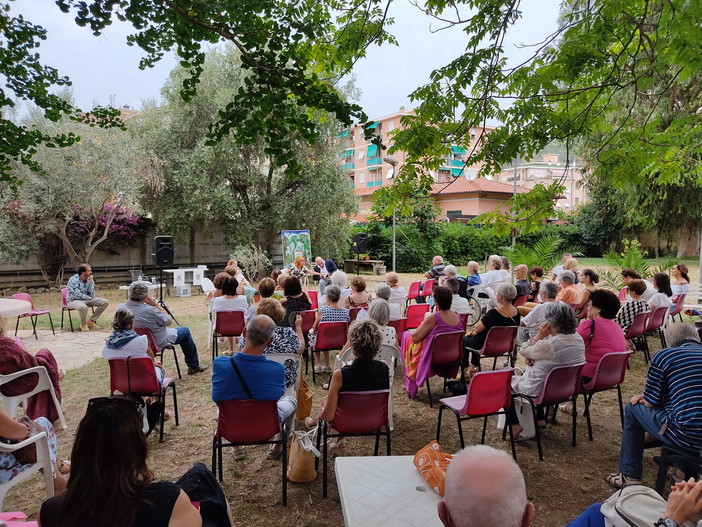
point(591, 517)
point(638, 419)
point(187, 344)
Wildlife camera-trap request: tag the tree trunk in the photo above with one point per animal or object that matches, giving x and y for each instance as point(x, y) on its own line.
point(689, 238)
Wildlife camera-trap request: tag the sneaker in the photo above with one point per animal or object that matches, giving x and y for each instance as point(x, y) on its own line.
point(85, 328)
point(196, 369)
point(239, 453)
point(326, 369)
point(274, 451)
point(93, 325)
point(619, 480)
point(318, 368)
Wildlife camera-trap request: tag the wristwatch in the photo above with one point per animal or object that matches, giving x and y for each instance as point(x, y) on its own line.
point(665, 522)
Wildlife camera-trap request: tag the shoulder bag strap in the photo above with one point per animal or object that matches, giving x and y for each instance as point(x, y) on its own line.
point(241, 378)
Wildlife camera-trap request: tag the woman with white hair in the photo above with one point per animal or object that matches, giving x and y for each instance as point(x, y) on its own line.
point(495, 271)
point(338, 278)
point(556, 344)
point(505, 314)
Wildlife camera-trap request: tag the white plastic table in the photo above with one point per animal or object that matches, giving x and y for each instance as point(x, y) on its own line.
point(385, 491)
point(10, 308)
point(179, 278)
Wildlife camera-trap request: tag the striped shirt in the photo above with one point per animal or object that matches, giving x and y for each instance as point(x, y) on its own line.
point(674, 384)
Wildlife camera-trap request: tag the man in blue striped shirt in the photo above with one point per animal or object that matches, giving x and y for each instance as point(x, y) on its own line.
point(670, 408)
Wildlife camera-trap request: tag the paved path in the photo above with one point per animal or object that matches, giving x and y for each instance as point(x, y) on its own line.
point(72, 350)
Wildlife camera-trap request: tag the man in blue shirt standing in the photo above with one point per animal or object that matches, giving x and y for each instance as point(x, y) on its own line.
point(264, 378)
point(670, 408)
point(81, 295)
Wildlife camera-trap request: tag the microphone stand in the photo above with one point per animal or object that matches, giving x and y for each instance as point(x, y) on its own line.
point(160, 299)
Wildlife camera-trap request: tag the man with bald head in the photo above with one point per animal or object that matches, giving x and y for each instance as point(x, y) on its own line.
point(322, 271)
point(521, 283)
point(469, 501)
point(250, 375)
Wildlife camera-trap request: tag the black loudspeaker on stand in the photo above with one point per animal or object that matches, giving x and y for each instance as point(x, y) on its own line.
point(162, 252)
point(360, 246)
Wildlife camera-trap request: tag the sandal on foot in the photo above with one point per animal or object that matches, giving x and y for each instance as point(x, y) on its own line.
point(619, 480)
point(64, 467)
point(338, 448)
point(325, 386)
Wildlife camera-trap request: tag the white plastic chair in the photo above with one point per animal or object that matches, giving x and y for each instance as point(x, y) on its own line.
point(11, 402)
point(207, 286)
point(281, 358)
point(43, 463)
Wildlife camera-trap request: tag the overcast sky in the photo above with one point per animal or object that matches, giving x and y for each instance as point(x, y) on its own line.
point(105, 67)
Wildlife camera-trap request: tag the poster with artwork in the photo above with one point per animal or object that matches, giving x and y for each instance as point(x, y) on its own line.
point(296, 243)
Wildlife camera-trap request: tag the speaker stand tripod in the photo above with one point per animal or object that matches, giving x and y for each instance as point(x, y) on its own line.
point(160, 299)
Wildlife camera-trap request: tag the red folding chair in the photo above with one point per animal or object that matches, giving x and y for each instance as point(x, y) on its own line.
point(499, 342)
point(520, 300)
point(357, 414)
point(678, 308)
point(428, 288)
point(446, 354)
point(330, 336)
point(655, 322)
point(64, 308)
point(157, 350)
point(227, 324)
point(314, 298)
point(489, 392)
point(413, 293)
point(400, 326)
point(415, 315)
point(137, 376)
point(562, 384)
point(636, 331)
point(33, 313)
point(609, 374)
point(249, 422)
point(353, 313)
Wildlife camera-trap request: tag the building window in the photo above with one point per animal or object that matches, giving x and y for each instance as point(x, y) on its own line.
point(361, 177)
point(391, 125)
point(361, 154)
point(375, 177)
point(454, 212)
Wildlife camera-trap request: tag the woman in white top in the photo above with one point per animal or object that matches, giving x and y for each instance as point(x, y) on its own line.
point(681, 282)
point(397, 292)
point(124, 342)
point(662, 298)
point(229, 301)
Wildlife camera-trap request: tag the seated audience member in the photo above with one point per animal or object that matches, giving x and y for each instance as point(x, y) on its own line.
point(556, 274)
point(229, 300)
point(522, 284)
point(415, 342)
point(379, 312)
point(16, 430)
point(359, 297)
point(473, 274)
point(266, 288)
point(263, 379)
point(279, 292)
point(285, 338)
point(571, 264)
point(234, 272)
point(14, 358)
point(629, 274)
point(531, 319)
point(452, 272)
point(681, 281)
point(384, 292)
point(568, 291)
point(296, 300)
point(600, 333)
point(338, 279)
point(435, 273)
point(495, 273)
point(111, 484)
point(469, 501)
point(536, 274)
point(398, 295)
point(589, 279)
point(632, 307)
point(505, 263)
point(661, 283)
point(505, 314)
point(555, 344)
point(458, 304)
point(124, 342)
point(217, 281)
point(322, 271)
point(330, 312)
point(363, 374)
point(670, 408)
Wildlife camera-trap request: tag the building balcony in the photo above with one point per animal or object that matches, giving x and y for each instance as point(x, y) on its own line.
point(374, 161)
point(374, 184)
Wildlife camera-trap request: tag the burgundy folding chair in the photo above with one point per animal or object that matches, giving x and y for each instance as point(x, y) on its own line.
point(64, 308)
point(32, 314)
point(400, 326)
point(520, 300)
point(357, 414)
point(157, 350)
point(137, 376)
point(678, 308)
point(227, 324)
point(415, 315)
point(655, 322)
point(330, 336)
point(636, 331)
point(314, 298)
point(562, 384)
point(609, 375)
point(581, 310)
point(428, 288)
point(622, 293)
point(353, 313)
point(489, 392)
point(499, 342)
point(249, 422)
point(413, 293)
point(446, 353)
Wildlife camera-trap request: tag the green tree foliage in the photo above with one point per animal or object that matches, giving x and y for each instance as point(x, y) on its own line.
point(236, 187)
point(632, 257)
point(545, 253)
